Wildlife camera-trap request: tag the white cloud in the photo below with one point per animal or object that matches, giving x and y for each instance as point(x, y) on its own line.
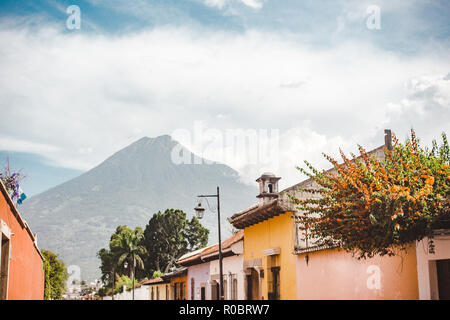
point(253, 4)
point(220, 4)
point(426, 107)
point(77, 98)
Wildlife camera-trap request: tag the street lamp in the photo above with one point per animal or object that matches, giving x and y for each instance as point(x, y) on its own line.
point(199, 211)
point(113, 282)
point(132, 278)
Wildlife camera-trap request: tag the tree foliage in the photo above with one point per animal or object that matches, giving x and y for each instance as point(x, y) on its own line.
point(47, 286)
point(55, 276)
point(155, 250)
point(372, 206)
point(130, 249)
point(157, 274)
point(123, 244)
point(168, 236)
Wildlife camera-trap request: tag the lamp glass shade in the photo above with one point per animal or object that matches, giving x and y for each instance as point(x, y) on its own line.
point(199, 211)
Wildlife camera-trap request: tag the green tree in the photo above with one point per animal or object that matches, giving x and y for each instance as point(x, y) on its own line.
point(47, 286)
point(109, 258)
point(123, 281)
point(157, 274)
point(55, 277)
point(168, 236)
point(130, 250)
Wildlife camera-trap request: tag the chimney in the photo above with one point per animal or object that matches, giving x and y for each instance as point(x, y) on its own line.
point(388, 139)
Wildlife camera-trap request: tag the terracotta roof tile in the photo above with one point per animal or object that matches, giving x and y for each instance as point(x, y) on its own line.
point(225, 244)
point(152, 281)
point(214, 248)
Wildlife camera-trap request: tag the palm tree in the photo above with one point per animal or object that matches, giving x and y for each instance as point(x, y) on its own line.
point(131, 251)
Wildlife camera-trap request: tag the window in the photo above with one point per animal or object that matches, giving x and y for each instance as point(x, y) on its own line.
point(157, 293)
point(215, 295)
point(175, 291)
point(443, 275)
point(181, 291)
point(167, 292)
point(275, 288)
point(234, 288)
point(4, 266)
point(192, 289)
point(225, 289)
point(152, 296)
point(217, 291)
point(203, 293)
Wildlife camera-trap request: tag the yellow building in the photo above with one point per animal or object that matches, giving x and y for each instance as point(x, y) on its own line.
point(178, 284)
point(269, 262)
point(171, 286)
point(159, 288)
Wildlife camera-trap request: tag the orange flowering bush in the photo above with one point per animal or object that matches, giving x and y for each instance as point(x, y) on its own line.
point(376, 206)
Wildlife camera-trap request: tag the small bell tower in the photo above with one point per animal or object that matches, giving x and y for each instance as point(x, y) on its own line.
point(268, 187)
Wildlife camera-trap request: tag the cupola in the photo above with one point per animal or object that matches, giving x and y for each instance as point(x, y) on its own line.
point(268, 187)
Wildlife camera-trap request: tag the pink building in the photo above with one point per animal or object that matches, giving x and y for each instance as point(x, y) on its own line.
point(203, 270)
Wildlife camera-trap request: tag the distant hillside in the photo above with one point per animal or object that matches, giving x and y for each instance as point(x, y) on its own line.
point(76, 218)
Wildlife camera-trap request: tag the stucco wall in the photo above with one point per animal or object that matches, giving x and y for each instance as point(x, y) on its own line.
point(232, 265)
point(162, 288)
point(426, 265)
point(141, 293)
point(200, 273)
point(277, 232)
point(335, 274)
point(26, 274)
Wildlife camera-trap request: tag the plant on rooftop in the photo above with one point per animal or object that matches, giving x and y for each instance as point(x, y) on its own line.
point(371, 206)
point(11, 179)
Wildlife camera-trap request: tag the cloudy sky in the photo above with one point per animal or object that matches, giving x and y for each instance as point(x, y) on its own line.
point(315, 75)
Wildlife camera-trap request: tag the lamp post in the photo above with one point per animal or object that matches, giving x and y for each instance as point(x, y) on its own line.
point(113, 282)
point(199, 210)
point(132, 275)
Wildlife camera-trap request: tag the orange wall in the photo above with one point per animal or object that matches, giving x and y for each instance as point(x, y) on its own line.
point(335, 274)
point(277, 232)
point(26, 274)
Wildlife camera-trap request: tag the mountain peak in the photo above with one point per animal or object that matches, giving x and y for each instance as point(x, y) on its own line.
point(147, 140)
point(159, 144)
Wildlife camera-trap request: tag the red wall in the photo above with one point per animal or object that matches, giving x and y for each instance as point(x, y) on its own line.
point(26, 274)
